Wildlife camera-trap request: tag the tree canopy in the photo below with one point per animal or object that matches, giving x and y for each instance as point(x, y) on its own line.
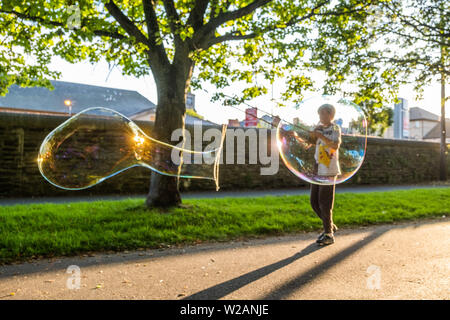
point(413, 37)
point(229, 41)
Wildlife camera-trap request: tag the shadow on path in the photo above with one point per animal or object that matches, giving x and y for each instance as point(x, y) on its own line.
point(221, 290)
point(289, 287)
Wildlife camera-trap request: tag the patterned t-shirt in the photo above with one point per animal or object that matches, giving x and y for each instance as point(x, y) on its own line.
point(326, 157)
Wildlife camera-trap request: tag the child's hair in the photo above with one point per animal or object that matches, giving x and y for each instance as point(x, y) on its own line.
point(329, 108)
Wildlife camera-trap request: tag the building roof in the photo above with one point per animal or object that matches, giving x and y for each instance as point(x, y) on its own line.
point(83, 96)
point(188, 120)
point(435, 133)
point(417, 113)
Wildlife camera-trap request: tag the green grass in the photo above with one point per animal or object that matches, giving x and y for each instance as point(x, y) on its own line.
point(45, 230)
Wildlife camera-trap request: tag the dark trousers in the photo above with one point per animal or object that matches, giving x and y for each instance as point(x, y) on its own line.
point(322, 201)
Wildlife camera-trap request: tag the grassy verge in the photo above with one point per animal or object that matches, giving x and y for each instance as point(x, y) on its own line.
point(66, 229)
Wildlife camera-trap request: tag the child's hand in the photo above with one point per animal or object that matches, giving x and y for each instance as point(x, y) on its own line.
point(319, 135)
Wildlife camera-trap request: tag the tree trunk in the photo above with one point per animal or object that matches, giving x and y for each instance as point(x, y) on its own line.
point(443, 155)
point(170, 113)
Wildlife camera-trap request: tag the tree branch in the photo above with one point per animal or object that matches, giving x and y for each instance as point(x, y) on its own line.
point(409, 36)
point(405, 19)
point(169, 5)
point(432, 27)
point(174, 19)
point(151, 21)
point(156, 45)
point(196, 17)
point(236, 14)
point(105, 33)
point(231, 37)
point(421, 32)
point(407, 62)
point(238, 36)
point(213, 8)
point(101, 33)
point(207, 30)
point(125, 22)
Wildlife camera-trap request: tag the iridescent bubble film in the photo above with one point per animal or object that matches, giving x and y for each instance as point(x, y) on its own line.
point(99, 143)
point(322, 140)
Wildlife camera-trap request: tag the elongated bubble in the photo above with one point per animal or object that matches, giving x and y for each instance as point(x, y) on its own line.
point(99, 143)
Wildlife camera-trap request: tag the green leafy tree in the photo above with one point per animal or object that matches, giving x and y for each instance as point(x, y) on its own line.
point(378, 114)
point(229, 41)
point(377, 120)
point(413, 37)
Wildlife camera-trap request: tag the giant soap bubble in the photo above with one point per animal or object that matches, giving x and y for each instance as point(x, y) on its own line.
point(320, 147)
point(99, 143)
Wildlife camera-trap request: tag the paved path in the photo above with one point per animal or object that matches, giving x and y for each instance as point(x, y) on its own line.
point(398, 261)
point(222, 194)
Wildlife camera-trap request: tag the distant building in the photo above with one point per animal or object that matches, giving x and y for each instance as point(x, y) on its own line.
point(401, 119)
point(435, 133)
point(190, 101)
point(39, 100)
point(275, 121)
point(400, 126)
point(251, 117)
point(149, 115)
point(190, 119)
point(421, 122)
point(145, 115)
point(265, 121)
point(233, 123)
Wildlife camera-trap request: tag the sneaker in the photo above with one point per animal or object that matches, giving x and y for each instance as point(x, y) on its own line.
point(327, 239)
point(335, 228)
point(320, 237)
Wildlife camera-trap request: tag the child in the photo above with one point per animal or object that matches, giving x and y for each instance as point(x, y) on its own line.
point(327, 137)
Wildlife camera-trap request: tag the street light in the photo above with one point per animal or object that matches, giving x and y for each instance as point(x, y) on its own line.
point(68, 103)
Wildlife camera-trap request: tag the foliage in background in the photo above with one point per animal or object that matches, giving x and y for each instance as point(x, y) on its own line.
point(231, 42)
point(414, 36)
point(194, 114)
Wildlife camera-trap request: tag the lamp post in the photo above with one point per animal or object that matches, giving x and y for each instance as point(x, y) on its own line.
point(68, 103)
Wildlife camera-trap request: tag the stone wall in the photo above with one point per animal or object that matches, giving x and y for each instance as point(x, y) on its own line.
point(387, 162)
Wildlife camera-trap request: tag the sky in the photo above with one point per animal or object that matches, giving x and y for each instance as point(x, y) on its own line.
point(100, 75)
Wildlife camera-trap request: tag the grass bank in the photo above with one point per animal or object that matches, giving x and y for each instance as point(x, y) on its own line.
point(47, 230)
